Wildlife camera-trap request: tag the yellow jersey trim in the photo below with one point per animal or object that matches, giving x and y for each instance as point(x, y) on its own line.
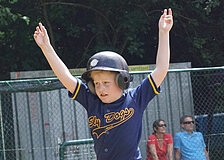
point(77, 90)
point(153, 86)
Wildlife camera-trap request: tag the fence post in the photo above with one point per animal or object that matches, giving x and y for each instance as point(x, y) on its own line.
point(61, 151)
point(2, 131)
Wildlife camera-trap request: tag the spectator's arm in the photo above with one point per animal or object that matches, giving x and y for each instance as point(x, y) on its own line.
point(177, 154)
point(206, 154)
point(170, 151)
point(152, 149)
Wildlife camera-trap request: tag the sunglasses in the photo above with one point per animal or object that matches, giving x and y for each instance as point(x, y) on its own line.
point(188, 122)
point(162, 125)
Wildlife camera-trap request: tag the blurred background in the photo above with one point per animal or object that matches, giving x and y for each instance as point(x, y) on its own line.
point(78, 29)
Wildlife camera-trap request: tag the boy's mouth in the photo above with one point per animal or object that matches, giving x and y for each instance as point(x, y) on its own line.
point(103, 95)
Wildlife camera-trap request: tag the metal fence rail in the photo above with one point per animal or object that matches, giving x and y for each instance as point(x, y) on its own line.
point(77, 150)
point(37, 117)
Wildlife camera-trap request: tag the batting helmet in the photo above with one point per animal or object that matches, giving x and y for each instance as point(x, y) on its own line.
point(107, 61)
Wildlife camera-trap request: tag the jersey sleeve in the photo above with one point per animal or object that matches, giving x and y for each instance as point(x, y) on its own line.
point(145, 92)
point(82, 94)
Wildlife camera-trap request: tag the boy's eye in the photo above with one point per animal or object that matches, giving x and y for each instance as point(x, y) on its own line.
point(96, 83)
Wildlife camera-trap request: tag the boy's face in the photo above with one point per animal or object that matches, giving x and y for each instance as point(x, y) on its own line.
point(105, 86)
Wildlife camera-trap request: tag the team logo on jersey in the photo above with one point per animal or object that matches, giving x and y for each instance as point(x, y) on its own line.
point(118, 117)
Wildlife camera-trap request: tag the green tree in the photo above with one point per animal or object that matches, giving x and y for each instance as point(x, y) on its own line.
point(81, 28)
point(11, 35)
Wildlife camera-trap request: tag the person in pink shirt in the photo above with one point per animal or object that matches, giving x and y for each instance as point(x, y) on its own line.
point(160, 143)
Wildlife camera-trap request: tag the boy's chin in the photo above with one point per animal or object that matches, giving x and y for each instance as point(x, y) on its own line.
point(108, 100)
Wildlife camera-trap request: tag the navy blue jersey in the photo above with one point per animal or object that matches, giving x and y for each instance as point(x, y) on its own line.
point(116, 127)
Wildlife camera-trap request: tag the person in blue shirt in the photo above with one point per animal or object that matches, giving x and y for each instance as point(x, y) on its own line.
point(114, 111)
point(189, 145)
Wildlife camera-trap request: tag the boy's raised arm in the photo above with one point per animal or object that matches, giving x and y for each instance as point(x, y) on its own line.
point(163, 53)
point(61, 71)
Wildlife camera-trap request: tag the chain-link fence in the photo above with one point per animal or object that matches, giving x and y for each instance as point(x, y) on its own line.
point(37, 117)
point(208, 95)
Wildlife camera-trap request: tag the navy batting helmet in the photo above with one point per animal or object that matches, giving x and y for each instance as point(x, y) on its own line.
point(107, 61)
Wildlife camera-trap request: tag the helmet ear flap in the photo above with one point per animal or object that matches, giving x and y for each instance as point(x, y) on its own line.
point(91, 87)
point(123, 80)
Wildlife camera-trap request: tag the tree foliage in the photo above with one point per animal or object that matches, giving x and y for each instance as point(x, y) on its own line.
point(78, 29)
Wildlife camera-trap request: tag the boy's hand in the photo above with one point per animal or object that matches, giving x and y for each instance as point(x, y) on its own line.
point(166, 21)
point(41, 37)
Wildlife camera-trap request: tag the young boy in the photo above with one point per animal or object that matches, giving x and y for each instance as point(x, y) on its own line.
point(114, 115)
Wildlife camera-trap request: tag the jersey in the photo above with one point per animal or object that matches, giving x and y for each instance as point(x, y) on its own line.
point(190, 145)
point(116, 127)
point(161, 152)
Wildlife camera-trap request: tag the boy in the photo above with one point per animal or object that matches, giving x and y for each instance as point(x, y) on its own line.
point(115, 117)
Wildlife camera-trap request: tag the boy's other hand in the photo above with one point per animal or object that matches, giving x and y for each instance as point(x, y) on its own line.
point(40, 35)
point(166, 21)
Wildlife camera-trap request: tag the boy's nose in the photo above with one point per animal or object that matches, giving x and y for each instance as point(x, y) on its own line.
point(101, 87)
